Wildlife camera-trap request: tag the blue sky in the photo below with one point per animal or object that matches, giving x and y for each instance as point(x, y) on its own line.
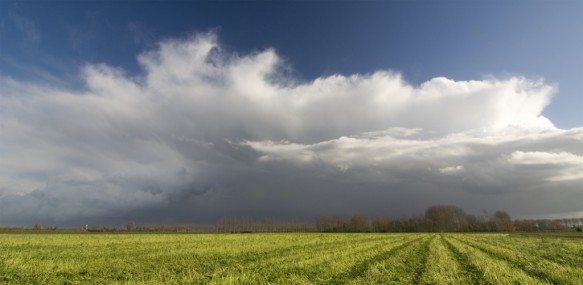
point(187, 111)
point(460, 40)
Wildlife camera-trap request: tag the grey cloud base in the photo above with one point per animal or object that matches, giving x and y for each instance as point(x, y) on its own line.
point(203, 134)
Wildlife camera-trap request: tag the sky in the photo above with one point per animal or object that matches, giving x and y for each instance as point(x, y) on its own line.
point(189, 111)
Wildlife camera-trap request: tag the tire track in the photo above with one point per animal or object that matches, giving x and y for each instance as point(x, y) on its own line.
point(329, 257)
point(494, 269)
point(311, 263)
point(359, 269)
point(423, 265)
point(476, 275)
point(561, 255)
point(523, 263)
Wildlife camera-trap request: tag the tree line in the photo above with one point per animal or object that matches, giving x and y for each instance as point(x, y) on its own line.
point(435, 219)
point(446, 219)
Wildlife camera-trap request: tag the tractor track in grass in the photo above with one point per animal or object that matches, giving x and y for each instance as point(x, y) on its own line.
point(313, 264)
point(538, 250)
point(474, 272)
point(535, 272)
point(314, 258)
point(495, 269)
point(398, 267)
point(423, 265)
point(298, 253)
point(211, 263)
point(510, 262)
point(441, 266)
point(359, 269)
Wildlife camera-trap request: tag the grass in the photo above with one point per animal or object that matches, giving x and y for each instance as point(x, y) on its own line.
point(443, 267)
point(296, 258)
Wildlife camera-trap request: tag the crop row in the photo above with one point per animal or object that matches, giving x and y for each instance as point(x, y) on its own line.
point(289, 259)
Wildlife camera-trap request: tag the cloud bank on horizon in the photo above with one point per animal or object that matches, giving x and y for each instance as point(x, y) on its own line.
point(204, 133)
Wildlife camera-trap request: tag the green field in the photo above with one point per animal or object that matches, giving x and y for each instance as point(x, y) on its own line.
point(308, 258)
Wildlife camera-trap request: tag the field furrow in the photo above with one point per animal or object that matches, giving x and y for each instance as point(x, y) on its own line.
point(258, 261)
point(536, 266)
point(422, 267)
point(320, 266)
point(176, 257)
point(556, 249)
point(493, 270)
point(397, 267)
point(442, 266)
point(285, 258)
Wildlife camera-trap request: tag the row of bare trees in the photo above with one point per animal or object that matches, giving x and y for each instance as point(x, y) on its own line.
point(553, 225)
point(444, 219)
point(133, 227)
point(435, 219)
point(224, 225)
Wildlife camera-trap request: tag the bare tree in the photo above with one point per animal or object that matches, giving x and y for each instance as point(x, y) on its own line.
point(359, 223)
point(381, 224)
point(446, 219)
point(502, 222)
point(131, 226)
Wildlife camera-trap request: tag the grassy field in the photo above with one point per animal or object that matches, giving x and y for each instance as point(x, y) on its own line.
point(289, 259)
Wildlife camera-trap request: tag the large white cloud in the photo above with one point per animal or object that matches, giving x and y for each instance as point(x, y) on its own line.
point(203, 126)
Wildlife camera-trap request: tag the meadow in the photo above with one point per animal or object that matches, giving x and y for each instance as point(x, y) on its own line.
point(290, 258)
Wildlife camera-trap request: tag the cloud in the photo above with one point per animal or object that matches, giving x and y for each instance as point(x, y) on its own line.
point(203, 133)
point(557, 166)
point(545, 158)
point(452, 170)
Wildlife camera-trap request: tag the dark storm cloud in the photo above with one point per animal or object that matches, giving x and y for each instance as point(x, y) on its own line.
point(203, 134)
